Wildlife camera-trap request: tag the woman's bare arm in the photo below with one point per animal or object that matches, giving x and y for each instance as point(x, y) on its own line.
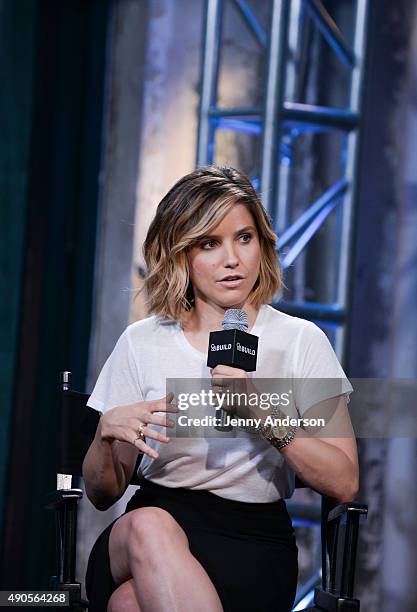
point(325, 459)
point(107, 469)
point(109, 463)
point(327, 462)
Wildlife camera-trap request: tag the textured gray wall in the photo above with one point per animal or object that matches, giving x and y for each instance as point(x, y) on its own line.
point(384, 323)
point(399, 549)
point(169, 113)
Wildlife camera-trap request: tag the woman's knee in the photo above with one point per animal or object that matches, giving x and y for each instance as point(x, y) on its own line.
point(152, 527)
point(144, 535)
point(123, 599)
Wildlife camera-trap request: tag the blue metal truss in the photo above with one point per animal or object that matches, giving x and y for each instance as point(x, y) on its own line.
point(279, 122)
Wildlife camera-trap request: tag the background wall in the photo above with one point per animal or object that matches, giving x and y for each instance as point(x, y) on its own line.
point(385, 300)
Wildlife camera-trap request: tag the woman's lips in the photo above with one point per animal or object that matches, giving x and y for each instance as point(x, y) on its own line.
point(232, 283)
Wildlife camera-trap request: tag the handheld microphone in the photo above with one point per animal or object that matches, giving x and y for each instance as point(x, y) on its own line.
point(233, 346)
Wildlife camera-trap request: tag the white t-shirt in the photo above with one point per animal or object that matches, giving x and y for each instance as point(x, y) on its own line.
point(246, 467)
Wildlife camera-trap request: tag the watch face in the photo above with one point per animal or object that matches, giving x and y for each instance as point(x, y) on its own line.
point(275, 432)
point(279, 431)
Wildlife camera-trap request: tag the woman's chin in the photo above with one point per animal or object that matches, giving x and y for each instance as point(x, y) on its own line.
point(233, 301)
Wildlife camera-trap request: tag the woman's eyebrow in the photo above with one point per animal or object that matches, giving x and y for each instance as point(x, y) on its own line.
point(237, 232)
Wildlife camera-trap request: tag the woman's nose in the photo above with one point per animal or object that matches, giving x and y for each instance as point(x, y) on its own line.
point(230, 256)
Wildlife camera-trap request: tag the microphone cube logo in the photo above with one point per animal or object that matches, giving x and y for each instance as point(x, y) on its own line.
point(234, 348)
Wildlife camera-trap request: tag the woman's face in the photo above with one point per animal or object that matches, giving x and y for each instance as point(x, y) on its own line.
point(224, 265)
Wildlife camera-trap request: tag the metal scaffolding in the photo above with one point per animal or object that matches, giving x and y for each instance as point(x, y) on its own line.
point(279, 122)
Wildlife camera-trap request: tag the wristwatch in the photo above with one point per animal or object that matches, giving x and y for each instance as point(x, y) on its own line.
point(274, 437)
point(278, 435)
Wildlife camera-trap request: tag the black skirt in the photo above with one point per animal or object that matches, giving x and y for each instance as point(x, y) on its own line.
point(247, 549)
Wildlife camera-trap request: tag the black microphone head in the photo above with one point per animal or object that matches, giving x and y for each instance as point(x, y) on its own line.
point(235, 318)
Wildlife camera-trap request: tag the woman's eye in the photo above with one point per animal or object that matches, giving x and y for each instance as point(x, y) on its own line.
point(246, 237)
point(208, 244)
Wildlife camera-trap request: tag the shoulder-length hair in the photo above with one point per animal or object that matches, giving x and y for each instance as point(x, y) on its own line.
point(191, 209)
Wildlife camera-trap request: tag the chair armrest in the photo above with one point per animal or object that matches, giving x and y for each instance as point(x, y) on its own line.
point(61, 497)
point(341, 541)
point(327, 602)
point(347, 508)
point(65, 504)
point(340, 532)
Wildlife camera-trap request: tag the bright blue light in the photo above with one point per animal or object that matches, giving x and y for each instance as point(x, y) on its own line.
point(306, 601)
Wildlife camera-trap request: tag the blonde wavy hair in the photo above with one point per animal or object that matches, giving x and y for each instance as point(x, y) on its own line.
point(192, 208)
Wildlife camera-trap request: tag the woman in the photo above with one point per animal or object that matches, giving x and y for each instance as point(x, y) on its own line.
point(208, 530)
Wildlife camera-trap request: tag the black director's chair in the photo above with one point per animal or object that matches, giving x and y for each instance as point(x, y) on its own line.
point(78, 426)
point(339, 524)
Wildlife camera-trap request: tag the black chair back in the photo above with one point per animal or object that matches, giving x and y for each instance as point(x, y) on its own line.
point(78, 428)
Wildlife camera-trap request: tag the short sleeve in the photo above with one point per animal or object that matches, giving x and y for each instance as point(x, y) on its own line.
point(118, 383)
point(318, 373)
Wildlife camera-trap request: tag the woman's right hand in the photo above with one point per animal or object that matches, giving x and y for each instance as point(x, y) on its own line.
point(124, 423)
